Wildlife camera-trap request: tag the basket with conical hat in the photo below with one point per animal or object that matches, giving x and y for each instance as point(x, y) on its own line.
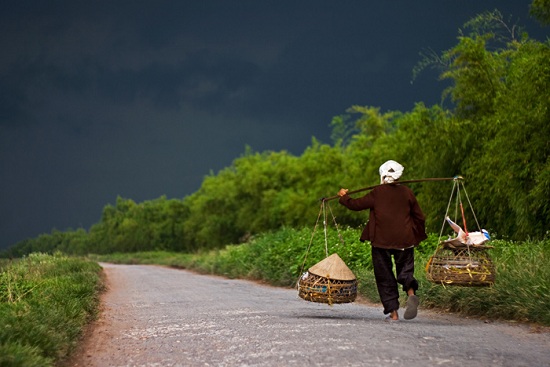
point(329, 281)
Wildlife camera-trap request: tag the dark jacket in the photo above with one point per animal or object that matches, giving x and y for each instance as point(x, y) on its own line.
point(395, 220)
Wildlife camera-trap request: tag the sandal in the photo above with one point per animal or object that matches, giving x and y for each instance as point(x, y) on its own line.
point(412, 307)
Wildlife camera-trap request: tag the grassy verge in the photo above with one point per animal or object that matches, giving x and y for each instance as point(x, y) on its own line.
point(45, 301)
point(521, 292)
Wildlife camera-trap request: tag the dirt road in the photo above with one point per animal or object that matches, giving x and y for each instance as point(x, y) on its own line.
point(156, 316)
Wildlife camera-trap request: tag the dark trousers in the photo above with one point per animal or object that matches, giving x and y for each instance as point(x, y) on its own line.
point(386, 280)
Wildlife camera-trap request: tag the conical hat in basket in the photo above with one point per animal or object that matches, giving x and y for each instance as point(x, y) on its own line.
point(333, 267)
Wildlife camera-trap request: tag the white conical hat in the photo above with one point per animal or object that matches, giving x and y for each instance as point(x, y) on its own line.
point(333, 267)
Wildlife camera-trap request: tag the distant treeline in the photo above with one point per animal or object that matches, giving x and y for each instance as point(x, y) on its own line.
point(496, 135)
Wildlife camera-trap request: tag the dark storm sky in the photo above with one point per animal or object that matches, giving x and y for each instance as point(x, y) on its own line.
point(144, 98)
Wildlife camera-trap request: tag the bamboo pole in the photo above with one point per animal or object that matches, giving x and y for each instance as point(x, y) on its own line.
point(456, 178)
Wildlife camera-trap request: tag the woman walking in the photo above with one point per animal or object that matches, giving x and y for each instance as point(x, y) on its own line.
point(396, 226)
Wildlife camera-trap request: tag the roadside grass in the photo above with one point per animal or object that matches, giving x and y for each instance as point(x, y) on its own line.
point(45, 301)
point(521, 292)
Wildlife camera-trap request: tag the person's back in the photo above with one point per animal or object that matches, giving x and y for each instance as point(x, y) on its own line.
point(392, 216)
point(395, 217)
point(396, 225)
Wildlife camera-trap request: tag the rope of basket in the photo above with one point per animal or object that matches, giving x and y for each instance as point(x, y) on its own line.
point(319, 288)
point(464, 264)
point(457, 181)
point(323, 213)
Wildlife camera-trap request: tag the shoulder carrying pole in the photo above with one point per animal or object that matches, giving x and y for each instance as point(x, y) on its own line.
point(456, 178)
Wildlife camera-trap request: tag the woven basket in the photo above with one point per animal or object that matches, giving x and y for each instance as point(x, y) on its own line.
point(462, 266)
point(337, 284)
point(315, 288)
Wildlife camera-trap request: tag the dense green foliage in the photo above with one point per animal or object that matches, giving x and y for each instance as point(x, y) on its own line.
point(45, 301)
point(495, 136)
point(521, 291)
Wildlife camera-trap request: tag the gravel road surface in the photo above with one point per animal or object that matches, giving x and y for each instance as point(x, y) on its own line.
point(157, 316)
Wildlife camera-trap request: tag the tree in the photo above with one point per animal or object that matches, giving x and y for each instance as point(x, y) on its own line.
point(513, 169)
point(540, 9)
